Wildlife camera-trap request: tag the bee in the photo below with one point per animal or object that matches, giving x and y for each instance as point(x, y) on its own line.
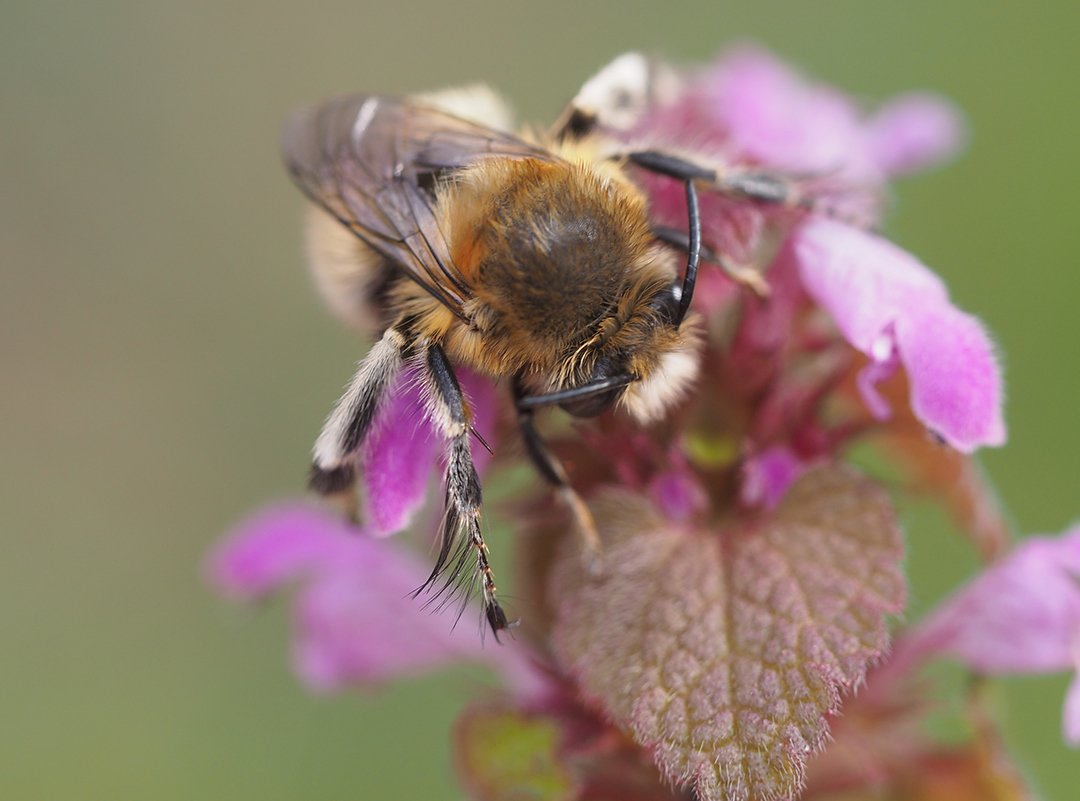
point(530, 259)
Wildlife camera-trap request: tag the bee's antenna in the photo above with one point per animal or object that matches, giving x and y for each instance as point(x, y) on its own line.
point(694, 259)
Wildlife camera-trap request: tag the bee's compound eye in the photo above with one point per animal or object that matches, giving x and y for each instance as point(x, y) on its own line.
point(667, 304)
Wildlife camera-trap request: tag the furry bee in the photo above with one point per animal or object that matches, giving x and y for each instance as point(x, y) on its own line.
point(530, 259)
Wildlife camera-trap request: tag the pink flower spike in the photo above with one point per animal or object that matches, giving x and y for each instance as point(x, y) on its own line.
point(890, 306)
point(1021, 616)
point(357, 622)
point(913, 132)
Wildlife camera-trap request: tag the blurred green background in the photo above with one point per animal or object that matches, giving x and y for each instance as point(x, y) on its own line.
point(166, 364)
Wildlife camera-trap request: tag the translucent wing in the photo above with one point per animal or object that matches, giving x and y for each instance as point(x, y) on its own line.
point(372, 162)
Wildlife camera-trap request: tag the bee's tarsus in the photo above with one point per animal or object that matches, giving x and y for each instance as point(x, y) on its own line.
point(672, 166)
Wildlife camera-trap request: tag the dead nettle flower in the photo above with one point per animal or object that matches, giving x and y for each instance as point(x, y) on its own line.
point(746, 574)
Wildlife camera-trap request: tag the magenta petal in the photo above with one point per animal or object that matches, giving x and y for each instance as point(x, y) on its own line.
point(358, 624)
point(767, 476)
point(357, 620)
point(677, 494)
point(273, 547)
point(884, 301)
point(774, 116)
point(863, 281)
point(913, 132)
point(955, 381)
point(1022, 615)
point(398, 459)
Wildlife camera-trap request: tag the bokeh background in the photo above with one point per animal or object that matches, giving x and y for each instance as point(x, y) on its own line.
point(166, 365)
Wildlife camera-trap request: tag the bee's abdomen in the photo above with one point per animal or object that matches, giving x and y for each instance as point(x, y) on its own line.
point(353, 279)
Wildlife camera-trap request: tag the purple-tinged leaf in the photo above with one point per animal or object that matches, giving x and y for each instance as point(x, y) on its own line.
point(723, 651)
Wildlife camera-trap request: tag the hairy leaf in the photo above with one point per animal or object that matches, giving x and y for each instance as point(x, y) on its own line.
point(723, 650)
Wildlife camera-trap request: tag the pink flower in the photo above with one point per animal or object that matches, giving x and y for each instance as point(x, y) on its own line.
point(896, 311)
point(913, 132)
point(774, 116)
point(357, 622)
point(1022, 615)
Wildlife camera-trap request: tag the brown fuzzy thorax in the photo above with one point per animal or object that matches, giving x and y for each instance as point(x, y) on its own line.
point(562, 264)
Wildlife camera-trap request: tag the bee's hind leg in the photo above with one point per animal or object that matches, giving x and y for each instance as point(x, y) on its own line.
point(461, 525)
point(333, 467)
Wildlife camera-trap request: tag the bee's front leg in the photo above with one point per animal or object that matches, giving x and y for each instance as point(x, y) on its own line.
point(549, 466)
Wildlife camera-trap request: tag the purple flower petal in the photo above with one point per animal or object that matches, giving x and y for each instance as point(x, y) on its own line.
point(956, 387)
point(273, 547)
point(678, 494)
point(913, 132)
point(399, 457)
point(889, 306)
point(774, 116)
point(357, 622)
point(1022, 615)
point(767, 476)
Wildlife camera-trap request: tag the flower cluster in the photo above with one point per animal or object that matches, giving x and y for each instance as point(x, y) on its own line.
point(748, 573)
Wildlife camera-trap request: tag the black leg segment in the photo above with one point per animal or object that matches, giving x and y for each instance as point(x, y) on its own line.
point(463, 557)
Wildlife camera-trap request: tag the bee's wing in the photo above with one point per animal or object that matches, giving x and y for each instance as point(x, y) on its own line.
point(371, 161)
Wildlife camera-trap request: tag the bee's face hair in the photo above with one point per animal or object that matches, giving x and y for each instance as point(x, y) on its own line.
point(671, 375)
